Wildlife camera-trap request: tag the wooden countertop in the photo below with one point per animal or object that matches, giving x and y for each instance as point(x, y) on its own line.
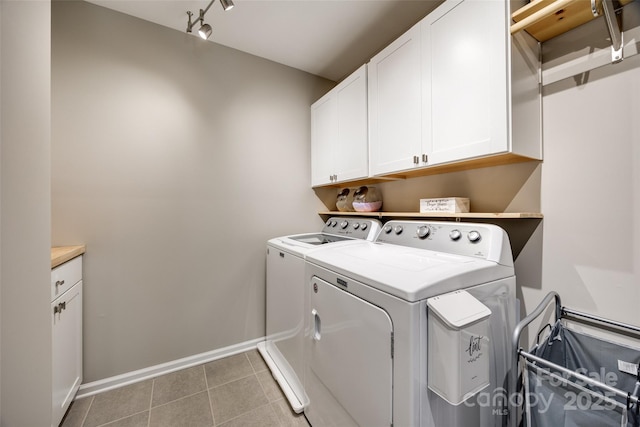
point(62, 254)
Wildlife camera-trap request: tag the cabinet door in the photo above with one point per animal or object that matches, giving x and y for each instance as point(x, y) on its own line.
point(465, 68)
point(339, 138)
point(324, 133)
point(351, 149)
point(349, 367)
point(395, 105)
point(67, 349)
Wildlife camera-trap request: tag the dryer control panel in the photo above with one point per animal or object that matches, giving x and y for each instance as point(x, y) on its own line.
point(358, 228)
point(485, 241)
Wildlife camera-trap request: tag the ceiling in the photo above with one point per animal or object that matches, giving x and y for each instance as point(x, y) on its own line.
point(328, 38)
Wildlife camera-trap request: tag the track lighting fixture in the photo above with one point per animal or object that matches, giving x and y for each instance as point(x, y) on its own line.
point(205, 29)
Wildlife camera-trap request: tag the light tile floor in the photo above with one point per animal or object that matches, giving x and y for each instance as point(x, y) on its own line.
point(235, 391)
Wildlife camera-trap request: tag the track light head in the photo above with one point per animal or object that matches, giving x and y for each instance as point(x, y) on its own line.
point(227, 4)
point(205, 31)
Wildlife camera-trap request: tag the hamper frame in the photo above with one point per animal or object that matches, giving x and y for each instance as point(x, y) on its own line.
point(562, 313)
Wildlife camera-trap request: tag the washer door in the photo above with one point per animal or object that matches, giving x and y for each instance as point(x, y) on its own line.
point(349, 370)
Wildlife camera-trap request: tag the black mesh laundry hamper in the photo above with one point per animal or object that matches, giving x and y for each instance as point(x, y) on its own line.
point(555, 399)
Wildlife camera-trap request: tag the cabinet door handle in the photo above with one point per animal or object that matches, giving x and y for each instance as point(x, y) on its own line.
point(59, 283)
point(425, 158)
point(58, 308)
point(416, 160)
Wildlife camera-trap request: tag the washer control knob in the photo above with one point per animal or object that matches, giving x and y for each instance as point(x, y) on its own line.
point(363, 226)
point(398, 229)
point(355, 225)
point(344, 224)
point(387, 229)
point(423, 231)
point(474, 236)
point(455, 234)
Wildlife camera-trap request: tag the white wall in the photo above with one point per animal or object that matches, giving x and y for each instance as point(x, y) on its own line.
point(25, 348)
point(589, 244)
point(173, 160)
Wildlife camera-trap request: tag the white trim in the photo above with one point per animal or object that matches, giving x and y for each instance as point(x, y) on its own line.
point(100, 386)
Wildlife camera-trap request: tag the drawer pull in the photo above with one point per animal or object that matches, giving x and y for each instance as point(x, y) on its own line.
point(58, 308)
point(59, 283)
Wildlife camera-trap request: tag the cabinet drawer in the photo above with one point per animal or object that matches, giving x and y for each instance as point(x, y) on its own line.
point(65, 276)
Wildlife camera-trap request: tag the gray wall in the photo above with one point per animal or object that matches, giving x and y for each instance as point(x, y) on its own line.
point(25, 346)
point(173, 160)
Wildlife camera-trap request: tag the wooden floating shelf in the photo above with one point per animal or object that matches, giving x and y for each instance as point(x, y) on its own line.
point(476, 215)
point(482, 162)
point(546, 19)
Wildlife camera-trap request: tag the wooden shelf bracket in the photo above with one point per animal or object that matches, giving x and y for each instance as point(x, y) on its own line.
point(545, 19)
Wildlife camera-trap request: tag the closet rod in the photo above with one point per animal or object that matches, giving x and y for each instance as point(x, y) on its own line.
point(620, 325)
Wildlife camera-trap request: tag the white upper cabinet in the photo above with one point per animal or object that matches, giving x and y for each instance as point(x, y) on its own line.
point(455, 88)
point(464, 67)
point(395, 105)
point(456, 91)
point(339, 138)
point(324, 134)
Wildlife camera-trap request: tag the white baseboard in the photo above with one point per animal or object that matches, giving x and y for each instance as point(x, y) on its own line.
point(100, 386)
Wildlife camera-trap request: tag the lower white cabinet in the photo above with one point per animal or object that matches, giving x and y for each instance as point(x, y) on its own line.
point(66, 329)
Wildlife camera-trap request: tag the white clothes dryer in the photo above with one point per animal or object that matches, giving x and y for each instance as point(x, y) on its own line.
point(283, 349)
point(367, 327)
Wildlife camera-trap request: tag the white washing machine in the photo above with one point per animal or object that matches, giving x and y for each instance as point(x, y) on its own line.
point(367, 326)
point(283, 349)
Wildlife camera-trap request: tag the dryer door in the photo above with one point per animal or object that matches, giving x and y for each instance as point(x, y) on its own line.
point(349, 371)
